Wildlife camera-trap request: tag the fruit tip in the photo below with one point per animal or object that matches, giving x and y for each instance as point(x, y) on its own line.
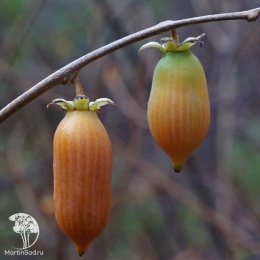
point(177, 166)
point(81, 252)
point(81, 249)
point(177, 170)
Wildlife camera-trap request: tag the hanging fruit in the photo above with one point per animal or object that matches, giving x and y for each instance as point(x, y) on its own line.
point(82, 171)
point(178, 106)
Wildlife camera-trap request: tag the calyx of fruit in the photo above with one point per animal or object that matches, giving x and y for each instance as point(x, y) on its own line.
point(168, 44)
point(81, 102)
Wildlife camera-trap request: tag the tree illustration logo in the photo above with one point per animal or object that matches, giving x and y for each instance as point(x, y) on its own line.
point(25, 225)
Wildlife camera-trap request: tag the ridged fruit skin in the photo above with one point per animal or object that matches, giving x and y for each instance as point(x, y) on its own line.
point(82, 177)
point(178, 106)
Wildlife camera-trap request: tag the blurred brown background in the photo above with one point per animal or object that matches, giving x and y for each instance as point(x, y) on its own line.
point(211, 210)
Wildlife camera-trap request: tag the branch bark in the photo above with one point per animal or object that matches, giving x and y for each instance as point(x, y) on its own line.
point(66, 74)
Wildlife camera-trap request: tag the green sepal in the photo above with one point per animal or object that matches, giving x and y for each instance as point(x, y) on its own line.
point(153, 45)
point(62, 103)
point(186, 44)
point(95, 106)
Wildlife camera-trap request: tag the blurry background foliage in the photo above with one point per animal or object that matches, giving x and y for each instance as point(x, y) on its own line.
point(211, 210)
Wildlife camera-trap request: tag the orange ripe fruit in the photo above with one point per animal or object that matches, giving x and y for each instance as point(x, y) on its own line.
point(82, 176)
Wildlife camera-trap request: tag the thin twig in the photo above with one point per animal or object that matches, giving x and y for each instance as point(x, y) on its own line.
point(77, 85)
point(66, 74)
point(175, 36)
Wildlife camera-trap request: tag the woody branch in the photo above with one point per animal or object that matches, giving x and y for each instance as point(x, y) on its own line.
point(66, 74)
